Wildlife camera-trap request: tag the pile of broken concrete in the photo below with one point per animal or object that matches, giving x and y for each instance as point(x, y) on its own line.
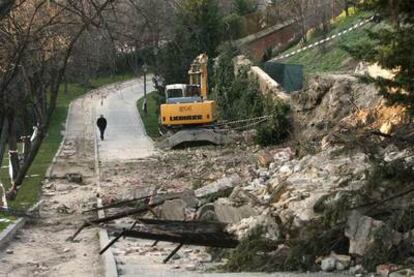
point(284, 191)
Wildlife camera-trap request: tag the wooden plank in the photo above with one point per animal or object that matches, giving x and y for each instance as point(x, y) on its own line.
point(178, 226)
point(222, 240)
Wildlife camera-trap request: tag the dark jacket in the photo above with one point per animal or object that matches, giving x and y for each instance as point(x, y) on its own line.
point(101, 122)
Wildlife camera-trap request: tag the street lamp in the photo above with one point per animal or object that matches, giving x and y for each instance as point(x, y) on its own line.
point(144, 105)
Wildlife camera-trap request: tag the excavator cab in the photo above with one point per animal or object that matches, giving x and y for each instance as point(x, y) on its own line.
point(181, 93)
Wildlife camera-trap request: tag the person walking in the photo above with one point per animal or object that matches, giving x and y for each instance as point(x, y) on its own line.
point(101, 123)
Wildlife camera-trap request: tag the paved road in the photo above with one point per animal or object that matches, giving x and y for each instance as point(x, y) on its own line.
point(125, 137)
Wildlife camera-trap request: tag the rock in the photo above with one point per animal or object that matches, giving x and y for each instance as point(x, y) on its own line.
point(227, 212)
point(285, 170)
point(393, 153)
point(74, 178)
point(63, 209)
point(403, 273)
point(220, 188)
point(358, 269)
point(361, 231)
point(173, 209)
point(190, 267)
point(206, 212)
point(249, 136)
point(328, 264)
point(342, 261)
point(264, 159)
point(277, 192)
point(240, 197)
point(266, 222)
point(384, 270)
point(283, 155)
point(303, 208)
point(189, 197)
point(9, 251)
point(340, 266)
point(386, 128)
point(63, 187)
point(335, 262)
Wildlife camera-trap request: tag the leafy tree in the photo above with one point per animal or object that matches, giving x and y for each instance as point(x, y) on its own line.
point(237, 97)
point(198, 29)
point(243, 7)
point(392, 48)
point(233, 26)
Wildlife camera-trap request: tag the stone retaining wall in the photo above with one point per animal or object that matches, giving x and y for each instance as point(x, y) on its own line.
point(266, 83)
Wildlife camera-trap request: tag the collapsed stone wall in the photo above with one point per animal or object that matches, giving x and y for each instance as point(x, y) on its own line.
point(292, 195)
point(337, 106)
point(267, 85)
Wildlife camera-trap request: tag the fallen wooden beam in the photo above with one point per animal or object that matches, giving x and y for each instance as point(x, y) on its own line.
point(117, 204)
point(140, 200)
point(122, 214)
point(182, 227)
point(221, 240)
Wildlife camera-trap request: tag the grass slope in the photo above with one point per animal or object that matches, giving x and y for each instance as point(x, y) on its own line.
point(331, 57)
point(150, 119)
point(29, 193)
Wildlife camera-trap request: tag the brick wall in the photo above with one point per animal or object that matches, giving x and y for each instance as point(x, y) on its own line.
point(280, 36)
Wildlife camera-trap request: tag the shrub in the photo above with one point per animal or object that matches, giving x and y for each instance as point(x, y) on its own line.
point(277, 127)
point(238, 97)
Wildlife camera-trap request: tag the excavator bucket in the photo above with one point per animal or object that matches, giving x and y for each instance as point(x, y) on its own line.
point(193, 136)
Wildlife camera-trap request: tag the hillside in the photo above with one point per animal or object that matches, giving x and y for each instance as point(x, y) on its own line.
point(331, 57)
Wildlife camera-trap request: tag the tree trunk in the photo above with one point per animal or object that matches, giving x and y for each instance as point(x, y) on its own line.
point(346, 8)
point(66, 89)
point(13, 150)
point(3, 138)
point(30, 158)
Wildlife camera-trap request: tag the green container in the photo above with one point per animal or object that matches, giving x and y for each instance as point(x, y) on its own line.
point(289, 76)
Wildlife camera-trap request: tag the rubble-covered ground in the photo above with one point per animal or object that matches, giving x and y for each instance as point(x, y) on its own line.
point(336, 197)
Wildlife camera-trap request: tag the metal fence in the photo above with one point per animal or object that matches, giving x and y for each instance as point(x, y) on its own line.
point(289, 76)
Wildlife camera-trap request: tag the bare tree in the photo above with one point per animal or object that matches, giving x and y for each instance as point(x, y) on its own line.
point(37, 39)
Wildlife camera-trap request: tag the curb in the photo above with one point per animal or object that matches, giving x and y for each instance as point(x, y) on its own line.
point(8, 234)
point(49, 171)
point(108, 259)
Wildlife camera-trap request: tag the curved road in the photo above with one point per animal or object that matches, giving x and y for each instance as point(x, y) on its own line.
point(125, 137)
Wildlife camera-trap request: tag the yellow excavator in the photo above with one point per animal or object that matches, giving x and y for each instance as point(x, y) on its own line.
point(187, 113)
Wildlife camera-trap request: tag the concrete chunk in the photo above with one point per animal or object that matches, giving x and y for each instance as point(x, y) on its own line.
point(222, 186)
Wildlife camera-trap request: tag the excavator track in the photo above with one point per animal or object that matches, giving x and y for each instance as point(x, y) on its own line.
point(197, 135)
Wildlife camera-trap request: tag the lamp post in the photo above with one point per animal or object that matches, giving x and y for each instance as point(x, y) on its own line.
point(144, 105)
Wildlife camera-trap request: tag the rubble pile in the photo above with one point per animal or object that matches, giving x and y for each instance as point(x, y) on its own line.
point(344, 204)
